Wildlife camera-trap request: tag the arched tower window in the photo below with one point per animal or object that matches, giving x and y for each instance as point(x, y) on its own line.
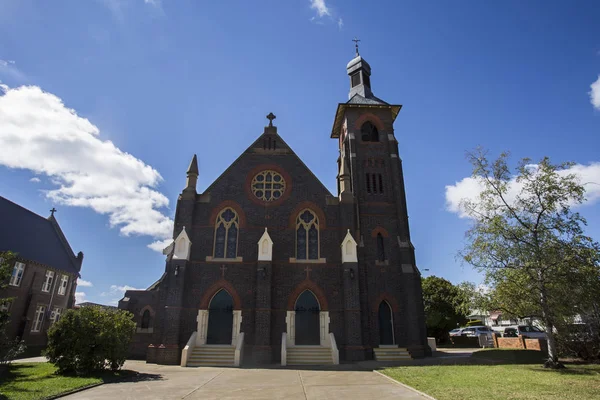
point(307, 236)
point(380, 248)
point(146, 319)
point(369, 132)
point(226, 234)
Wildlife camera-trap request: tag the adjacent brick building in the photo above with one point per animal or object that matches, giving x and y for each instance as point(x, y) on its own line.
point(267, 249)
point(44, 275)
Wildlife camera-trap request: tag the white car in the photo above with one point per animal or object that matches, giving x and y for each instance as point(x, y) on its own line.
point(456, 331)
point(528, 331)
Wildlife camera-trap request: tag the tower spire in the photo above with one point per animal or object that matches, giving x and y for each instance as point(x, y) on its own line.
point(192, 175)
point(359, 71)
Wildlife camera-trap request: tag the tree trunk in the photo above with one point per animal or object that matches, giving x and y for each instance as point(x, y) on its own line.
point(552, 361)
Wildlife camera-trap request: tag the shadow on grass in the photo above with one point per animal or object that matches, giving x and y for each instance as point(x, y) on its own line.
point(507, 356)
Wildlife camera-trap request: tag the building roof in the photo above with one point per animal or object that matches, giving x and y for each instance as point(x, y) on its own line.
point(35, 238)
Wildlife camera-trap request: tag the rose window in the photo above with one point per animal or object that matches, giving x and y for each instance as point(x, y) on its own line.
point(268, 185)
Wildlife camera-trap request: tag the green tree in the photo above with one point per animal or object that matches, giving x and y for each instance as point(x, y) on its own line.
point(529, 243)
point(90, 339)
point(9, 348)
point(445, 306)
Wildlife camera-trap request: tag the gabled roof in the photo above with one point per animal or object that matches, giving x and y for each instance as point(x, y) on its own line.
point(282, 148)
point(35, 238)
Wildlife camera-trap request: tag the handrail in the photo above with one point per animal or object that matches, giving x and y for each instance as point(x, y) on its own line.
point(284, 349)
point(239, 350)
point(335, 353)
point(188, 349)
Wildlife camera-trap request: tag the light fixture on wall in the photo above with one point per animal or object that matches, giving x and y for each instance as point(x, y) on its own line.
point(176, 270)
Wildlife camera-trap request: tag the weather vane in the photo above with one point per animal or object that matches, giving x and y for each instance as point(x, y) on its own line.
point(355, 40)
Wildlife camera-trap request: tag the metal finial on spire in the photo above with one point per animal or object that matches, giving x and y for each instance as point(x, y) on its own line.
point(271, 117)
point(356, 40)
point(53, 211)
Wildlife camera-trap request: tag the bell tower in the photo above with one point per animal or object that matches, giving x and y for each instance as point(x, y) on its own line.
point(371, 180)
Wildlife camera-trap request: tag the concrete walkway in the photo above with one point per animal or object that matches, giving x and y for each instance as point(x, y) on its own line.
point(172, 382)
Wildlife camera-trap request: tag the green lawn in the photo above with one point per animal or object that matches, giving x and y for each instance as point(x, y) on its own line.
point(30, 381)
point(525, 380)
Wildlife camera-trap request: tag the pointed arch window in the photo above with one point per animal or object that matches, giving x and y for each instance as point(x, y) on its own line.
point(380, 248)
point(369, 132)
point(146, 320)
point(226, 234)
point(307, 236)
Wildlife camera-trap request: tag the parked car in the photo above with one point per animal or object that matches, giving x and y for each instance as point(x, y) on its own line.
point(528, 331)
point(456, 331)
point(475, 331)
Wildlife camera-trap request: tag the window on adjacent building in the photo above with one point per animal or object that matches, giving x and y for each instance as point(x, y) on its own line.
point(380, 249)
point(226, 234)
point(307, 236)
point(146, 320)
point(48, 281)
point(55, 314)
point(38, 320)
point(64, 281)
point(17, 274)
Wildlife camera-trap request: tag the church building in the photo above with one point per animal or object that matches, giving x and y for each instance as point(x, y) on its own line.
point(267, 266)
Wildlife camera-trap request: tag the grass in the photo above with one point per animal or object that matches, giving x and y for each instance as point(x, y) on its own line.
point(29, 381)
point(517, 375)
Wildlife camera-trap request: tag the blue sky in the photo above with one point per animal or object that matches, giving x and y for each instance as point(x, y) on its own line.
point(151, 83)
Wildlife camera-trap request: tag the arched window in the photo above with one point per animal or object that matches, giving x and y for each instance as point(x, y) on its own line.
point(226, 234)
point(307, 236)
point(380, 249)
point(146, 319)
point(369, 132)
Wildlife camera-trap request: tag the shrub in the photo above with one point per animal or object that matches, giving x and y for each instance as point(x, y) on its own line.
point(90, 339)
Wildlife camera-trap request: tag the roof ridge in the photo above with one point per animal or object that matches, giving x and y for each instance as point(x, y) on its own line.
point(61, 236)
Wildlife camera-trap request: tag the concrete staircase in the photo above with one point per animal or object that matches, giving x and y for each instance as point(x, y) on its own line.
point(212, 356)
point(309, 355)
point(391, 354)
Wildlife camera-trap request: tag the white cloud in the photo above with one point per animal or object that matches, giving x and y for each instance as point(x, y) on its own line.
point(48, 138)
point(469, 188)
point(160, 245)
point(35, 179)
point(320, 7)
point(80, 297)
point(82, 283)
point(595, 93)
point(340, 23)
point(116, 290)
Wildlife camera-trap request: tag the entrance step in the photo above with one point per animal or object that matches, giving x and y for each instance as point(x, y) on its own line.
point(309, 355)
point(391, 354)
point(212, 356)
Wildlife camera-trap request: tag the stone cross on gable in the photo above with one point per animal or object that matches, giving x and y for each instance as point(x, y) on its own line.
point(53, 211)
point(271, 117)
point(307, 270)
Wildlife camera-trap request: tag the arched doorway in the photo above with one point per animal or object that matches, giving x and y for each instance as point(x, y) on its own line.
point(220, 318)
point(386, 324)
point(307, 319)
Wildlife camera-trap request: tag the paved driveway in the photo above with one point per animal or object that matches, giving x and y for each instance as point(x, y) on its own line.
point(171, 382)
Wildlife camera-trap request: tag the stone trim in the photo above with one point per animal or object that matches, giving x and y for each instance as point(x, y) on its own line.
point(381, 230)
point(222, 205)
point(311, 206)
point(390, 300)
point(214, 288)
point(314, 288)
point(371, 118)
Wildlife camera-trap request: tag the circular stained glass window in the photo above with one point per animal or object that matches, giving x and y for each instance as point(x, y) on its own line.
point(268, 185)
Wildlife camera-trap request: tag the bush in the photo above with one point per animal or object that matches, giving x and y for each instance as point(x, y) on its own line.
point(90, 339)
